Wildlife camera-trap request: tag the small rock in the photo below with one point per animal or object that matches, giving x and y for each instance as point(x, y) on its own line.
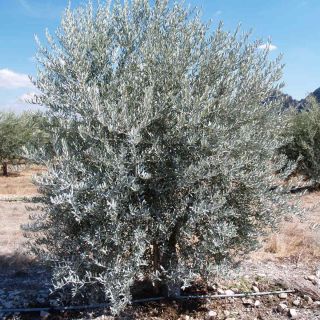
point(313, 279)
point(283, 295)
point(293, 314)
point(212, 287)
point(255, 289)
point(262, 316)
point(211, 315)
point(44, 314)
point(257, 303)
point(229, 292)
point(226, 313)
point(230, 318)
point(221, 291)
point(282, 308)
point(247, 302)
point(317, 303)
point(296, 302)
point(308, 299)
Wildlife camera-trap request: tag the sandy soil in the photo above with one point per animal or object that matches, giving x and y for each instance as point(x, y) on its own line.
point(12, 215)
point(19, 181)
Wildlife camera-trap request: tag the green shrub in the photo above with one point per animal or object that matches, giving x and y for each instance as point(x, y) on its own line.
point(303, 147)
point(162, 148)
point(17, 131)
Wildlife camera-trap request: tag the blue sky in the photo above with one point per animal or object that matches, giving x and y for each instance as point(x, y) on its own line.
point(292, 25)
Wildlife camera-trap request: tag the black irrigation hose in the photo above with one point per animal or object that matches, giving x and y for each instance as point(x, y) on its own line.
point(107, 305)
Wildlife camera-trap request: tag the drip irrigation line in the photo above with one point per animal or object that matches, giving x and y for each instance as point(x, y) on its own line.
point(107, 305)
point(235, 295)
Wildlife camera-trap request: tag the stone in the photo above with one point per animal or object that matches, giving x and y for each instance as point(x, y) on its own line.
point(247, 301)
point(44, 314)
point(212, 287)
point(282, 308)
point(293, 314)
point(255, 289)
point(221, 291)
point(296, 302)
point(313, 279)
point(229, 292)
point(283, 295)
point(212, 315)
point(317, 303)
point(308, 299)
point(257, 303)
point(226, 313)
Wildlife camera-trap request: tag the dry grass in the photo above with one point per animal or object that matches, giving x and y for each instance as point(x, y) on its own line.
point(19, 182)
point(12, 215)
point(297, 239)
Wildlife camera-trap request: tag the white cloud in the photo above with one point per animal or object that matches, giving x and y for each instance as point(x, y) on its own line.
point(11, 80)
point(269, 46)
point(26, 97)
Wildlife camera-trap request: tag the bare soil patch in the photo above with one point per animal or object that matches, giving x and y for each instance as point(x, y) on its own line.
point(12, 215)
point(19, 181)
point(298, 238)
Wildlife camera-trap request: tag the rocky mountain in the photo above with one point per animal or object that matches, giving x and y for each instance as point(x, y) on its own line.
point(288, 101)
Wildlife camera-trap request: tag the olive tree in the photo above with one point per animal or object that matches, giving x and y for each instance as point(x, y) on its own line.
point(303, 146)
point(10, 139)
point(163, 135)
point(16, 131)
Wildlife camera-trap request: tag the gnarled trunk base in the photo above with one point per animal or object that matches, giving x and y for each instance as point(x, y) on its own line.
point(5, 168)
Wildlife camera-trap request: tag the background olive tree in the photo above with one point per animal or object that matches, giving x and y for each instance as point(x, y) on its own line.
point(303, 146)
point(164, 134)
point(17, 131)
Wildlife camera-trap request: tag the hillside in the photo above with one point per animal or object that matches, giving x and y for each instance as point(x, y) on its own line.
point(289, 101)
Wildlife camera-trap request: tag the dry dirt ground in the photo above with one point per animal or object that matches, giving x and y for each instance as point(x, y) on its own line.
point(288, 259)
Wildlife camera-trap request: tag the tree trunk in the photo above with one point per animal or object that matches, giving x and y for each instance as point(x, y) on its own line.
point(167, 288)
point(156, 265)
point(167, 259)
point(5, 168)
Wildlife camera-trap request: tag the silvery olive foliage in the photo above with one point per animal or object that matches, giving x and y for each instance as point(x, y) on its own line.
point(163, 135)
point(303, 146)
